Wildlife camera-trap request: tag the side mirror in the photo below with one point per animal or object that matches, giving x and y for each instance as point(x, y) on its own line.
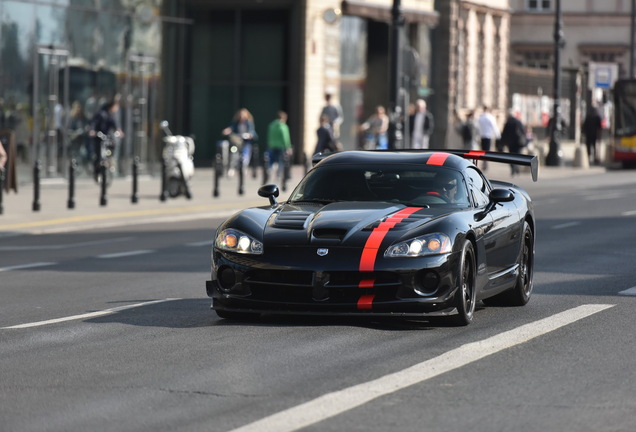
point(499, 195)
point(496, 196)
point(269, 191)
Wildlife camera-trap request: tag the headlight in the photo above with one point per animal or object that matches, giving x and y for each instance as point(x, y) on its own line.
point(430, 244)
point(236, 241)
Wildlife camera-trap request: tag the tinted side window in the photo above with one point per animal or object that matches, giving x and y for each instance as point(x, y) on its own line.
point(479, 187)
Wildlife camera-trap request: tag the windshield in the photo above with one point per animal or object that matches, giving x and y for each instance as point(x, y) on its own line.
point(417, 185)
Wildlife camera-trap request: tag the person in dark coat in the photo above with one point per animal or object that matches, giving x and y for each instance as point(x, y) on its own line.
point(592, 128)
point(326, 139)
point(103, 121)
point(513, 136)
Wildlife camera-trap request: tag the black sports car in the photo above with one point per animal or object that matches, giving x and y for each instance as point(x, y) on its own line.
point(385, 233)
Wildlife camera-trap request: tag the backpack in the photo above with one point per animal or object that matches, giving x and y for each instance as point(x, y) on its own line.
point(467, 132)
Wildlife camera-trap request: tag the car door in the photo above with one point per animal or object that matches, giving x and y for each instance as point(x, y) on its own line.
point(499, 227)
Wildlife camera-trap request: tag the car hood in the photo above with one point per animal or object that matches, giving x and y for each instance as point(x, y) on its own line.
point(345, 224)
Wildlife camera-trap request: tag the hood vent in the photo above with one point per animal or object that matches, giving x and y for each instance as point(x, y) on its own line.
point(329, 233)
point(413, 218)
point(292, 219)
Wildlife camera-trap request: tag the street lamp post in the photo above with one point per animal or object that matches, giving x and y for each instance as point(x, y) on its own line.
point(555, 155)
point(396, 135)
point(632, 39)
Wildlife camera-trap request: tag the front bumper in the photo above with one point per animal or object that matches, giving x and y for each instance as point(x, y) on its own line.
point(410, 287)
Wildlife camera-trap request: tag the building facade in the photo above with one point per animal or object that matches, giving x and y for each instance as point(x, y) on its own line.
point(471, 63)
point(196, 62)
point(596, 37)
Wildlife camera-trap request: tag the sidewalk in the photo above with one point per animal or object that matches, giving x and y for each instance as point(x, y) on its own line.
point(55, 216)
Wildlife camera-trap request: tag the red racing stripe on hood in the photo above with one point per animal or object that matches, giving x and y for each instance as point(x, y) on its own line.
point(370, 252)
point(371, 247)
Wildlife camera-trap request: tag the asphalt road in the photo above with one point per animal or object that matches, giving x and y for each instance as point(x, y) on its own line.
point(109, 329)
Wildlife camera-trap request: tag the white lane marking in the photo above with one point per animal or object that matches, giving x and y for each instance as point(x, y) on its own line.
point(566, 225)
point(88, 315)
point(605, 196)
point(26, 266)
point(629, 292)
point(64, 246)
point(335, 403)
point(200, 243)
point(629, 213)
point(125, 254)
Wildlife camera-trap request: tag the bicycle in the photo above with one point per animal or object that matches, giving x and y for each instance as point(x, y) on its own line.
point(106, 165)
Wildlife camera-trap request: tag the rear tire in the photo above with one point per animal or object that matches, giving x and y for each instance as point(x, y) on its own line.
point(465, 297)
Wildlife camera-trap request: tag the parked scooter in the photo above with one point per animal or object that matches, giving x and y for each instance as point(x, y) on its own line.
point(178, 151)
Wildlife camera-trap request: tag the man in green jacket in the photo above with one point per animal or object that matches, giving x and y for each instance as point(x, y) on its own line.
point(278, 142)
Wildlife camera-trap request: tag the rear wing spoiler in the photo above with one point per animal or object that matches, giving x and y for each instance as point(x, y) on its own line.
point(476, 155)
point(510, 158)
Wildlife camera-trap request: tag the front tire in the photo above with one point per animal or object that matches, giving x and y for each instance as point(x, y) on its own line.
point(466, 295)
point(519, 295)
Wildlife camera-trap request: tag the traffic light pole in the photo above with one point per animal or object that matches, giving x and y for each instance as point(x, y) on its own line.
point(396, 135)
point(555, 154)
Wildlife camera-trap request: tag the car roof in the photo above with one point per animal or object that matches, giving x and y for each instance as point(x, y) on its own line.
point(436, 158)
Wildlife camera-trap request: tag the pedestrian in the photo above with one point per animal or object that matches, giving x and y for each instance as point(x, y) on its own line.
point(513, 136)
point(421, 125)
point(375, 130)
point(103, 121)
point(592, 128)
point(326, 142)
point(278, 142)
point(77, 128)
point(468, 131)
point(3, 158)
point(2, 114)
point(488, 130)
point(333, 111)
point(242, 125)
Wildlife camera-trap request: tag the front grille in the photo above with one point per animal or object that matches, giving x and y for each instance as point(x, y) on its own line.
point(344, 279)
point(280, 277)
point(295, 286)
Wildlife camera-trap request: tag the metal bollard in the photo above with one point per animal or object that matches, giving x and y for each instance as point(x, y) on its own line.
point(1, 188)
point(218, 172)
point(184, 182)
point(241, 175)
point(135, 172)
point(265, 167)
point(37, 168)
point(286, 170)
point(71, 184)
point(103, 200)
point(164, 192)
